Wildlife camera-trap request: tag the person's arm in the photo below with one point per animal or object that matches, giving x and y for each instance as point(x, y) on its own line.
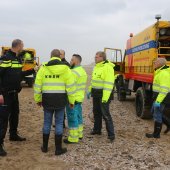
point(70, 87)
point(38, 86)
point(108, 77)
point(164, 86)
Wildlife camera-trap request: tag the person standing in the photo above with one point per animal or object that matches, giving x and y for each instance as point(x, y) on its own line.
point(54, 86)
point(74, 115)
point(11, 75)
point(161, 88)
point(63, 59)
point(101, 89)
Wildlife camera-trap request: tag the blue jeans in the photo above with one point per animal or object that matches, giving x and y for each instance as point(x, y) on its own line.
point(48, 117)
point(158, 113)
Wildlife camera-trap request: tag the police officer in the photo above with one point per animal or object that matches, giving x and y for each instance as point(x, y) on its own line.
point(101, 90)
point(161, 88)
point(10, 78)
point(53, 85)
point(74, 116)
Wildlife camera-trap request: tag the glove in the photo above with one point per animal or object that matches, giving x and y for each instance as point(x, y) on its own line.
point(88, 95)
point(156, 104)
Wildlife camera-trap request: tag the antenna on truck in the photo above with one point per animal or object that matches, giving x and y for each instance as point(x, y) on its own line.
point(158, 17)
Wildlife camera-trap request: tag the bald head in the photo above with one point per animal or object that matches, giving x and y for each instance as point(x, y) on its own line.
point(55, 53)
point(62, 54)
point(159, 62)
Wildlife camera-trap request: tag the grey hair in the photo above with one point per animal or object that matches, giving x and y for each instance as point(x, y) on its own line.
point(16, 42)
point(55, 53)
point(161, 61)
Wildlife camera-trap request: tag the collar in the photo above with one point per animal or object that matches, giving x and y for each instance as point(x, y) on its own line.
point(55, 58)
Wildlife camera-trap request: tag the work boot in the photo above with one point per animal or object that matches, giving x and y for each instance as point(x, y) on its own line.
point(111, 138)
point(16, 137)
point(167, 123)
point(58, 145)
point(2, 150)
point(157, 131)
point(94, 132)
point(44, 147)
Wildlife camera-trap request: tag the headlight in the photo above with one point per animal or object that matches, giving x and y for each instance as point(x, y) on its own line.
point(162, 31)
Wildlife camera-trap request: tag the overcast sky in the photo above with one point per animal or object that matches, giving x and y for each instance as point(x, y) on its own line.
point(77, 26)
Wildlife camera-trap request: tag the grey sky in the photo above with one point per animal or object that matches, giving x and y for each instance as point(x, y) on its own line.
point(76, 26)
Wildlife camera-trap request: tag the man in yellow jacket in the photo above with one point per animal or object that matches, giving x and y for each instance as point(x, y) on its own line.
point(74, 116)
point(101, 89)
point(161, 88)
point(54, 85)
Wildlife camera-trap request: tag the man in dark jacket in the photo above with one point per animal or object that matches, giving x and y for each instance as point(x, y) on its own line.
point(11, 75)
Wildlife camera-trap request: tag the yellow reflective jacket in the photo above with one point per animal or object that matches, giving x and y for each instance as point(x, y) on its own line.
point(54, 83)
point(102, 82)
point(80, 78)
point(161, 83)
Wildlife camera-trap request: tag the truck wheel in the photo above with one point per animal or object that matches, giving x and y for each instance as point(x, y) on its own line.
point(142, 110)
point(121, 92)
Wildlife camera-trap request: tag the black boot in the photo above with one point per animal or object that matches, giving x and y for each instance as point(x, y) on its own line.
point(94, 132)
point(157, 131)
point(58, 144)
point(167, 123)
point(16, 137)
point(44, 147)
point(2, 151)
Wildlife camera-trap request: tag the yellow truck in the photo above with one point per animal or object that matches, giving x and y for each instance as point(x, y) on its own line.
point(136, 69)
point(28, 63)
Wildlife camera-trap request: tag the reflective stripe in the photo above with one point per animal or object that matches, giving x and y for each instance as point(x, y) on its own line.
point(37, 92)
point(107, 82)
point(16, 66)
point(80, 89)
point(107, 89)
point(37, 85)
point(53, 84)
point(97, 81)
point(53, 91)
point(16, 62)
point(81, 84)
point(74, 137)
point(164, 87)
point(160, 92)
point(70, 85)
point(71, 92)
point(96, 87)
point(5, 65)
point(76, 73)
point(8, 61)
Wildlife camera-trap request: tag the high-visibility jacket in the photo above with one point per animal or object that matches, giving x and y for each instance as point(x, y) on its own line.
point(80, 78)
point(102, 82)
point(11, 73)
point(54, 83)
point(161, 83)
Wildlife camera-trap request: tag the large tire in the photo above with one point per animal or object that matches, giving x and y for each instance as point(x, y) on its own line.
point(121, 92)
point(142, 108)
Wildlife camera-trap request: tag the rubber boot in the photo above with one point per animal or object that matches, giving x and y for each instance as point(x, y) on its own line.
point(44, 147)
point(2, 150)
point(167, 123)
point(58, 144)
point(16, 137)
point(157, 131)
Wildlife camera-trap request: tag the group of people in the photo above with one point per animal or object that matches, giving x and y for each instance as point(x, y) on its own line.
point(60, 86)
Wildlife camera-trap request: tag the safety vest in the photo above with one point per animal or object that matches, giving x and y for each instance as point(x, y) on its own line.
point(161, 83)
point(54, 81)
point(103, 78)
point(80, 78)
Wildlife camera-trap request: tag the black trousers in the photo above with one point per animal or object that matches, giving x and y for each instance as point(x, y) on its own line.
point(11, 100)
point(102, 110)
point(4, 114)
